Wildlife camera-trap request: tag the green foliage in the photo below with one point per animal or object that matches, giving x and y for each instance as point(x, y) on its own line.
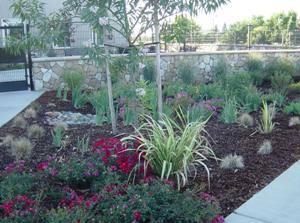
point(250, 99)
point(83, 144)
point(280, 66)
point(15, 184)
point(221, 69)
point(74, 81)
point(266, 123)
point(229, 112)
point(148, 99)
point(295, 87)
point(99, 101)
point(275, 98)
point(186, 72)
point(280, 82)
point(58, 134)
point(211, 91)
point(172, 89)
point(292, 108)
point(197, 113)
point(164, 205)
point(149, 70)
point(77, 172)
point(129, 116)
point(62, 215)
point(173, 151)
point(254, 64)
point(118, 67)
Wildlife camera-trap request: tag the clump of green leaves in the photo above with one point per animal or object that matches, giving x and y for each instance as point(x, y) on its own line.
point(280, 82)
point(149, 70)
point(267, 114)
point(221, 69)
point(280, 65)
point(292, 108)
point(172, 150)
point(58, 134)
point(99, 101)
point(275, 98)
point(229, 112)
point(74, 81)
point(83, 144)
point(186, 72)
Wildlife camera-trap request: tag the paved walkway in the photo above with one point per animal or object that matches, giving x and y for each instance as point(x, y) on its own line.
point(279, 202)
point(11, 103)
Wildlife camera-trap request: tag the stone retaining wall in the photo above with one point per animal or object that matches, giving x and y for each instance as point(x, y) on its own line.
point(47, 72)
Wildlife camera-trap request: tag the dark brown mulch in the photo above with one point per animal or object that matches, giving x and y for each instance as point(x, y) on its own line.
point(231, 188)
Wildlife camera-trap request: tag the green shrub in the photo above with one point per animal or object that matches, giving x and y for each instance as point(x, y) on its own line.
point(197, 113)
point(172, 151)
point(58, 134)
point(221, 69)
point(99, 101)
point(280, 65)
point(249, 99)
point(211, 91)
point(229, 112)
point(149, 70)
point(117, 68)
point(75, 81)
point(280, 82)
point(257, 78)
point(254, 64)
point(15, 184)
point(236, 83)
point(275, 98)
point(292, 108)
point(164, 205)
point(172, 89)
point(186, 72)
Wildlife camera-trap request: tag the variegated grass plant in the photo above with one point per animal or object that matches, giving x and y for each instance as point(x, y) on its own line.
point(173, 150)
point(267, 114)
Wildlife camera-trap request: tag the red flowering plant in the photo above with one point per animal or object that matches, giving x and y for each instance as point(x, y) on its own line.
point(16, 167)
point(117, 156)
point(21, 206)
point(77, 172)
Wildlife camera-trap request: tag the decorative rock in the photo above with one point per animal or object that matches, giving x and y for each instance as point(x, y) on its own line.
point(38, 85)
point(47, 76)
point(70, 118)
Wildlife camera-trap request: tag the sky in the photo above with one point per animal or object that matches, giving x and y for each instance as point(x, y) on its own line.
point(238, 10)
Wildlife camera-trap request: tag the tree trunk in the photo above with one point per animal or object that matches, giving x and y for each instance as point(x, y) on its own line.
point(110, 95)
point(157, 64)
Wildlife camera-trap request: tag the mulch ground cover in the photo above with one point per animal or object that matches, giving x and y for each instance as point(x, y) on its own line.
point(231, 188)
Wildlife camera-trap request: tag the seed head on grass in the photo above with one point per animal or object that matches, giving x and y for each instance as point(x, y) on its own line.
point(21, 148)
point(35, 131)
point(30, 113)
point(294, 121)
point(20, 122)
point(246, 120)
point(232, 162)
point(7, 140)
point(265, 148)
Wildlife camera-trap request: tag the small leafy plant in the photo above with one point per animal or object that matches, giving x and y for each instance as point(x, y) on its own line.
point(280, 82)
point(171, 150)
point(58, 133)
point(83, 145)
point(229, 112)
point(292, 108)
point(267, 114)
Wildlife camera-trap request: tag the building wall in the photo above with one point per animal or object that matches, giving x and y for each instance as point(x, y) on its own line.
point(47, 72)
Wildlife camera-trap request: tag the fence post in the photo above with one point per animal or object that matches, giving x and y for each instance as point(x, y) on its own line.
point(29, 62)
point(249, 36)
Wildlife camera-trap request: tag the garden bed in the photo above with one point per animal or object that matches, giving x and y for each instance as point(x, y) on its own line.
point(230, 187)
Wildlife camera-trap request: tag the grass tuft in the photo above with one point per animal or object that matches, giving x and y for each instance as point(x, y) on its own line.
point(265, 148)
point(21, 148)
point(7, 140)
point(232, 162)
point(246, 120)
point(20, 122)
point(35, 131)
point(294, 121)
point(30, 113)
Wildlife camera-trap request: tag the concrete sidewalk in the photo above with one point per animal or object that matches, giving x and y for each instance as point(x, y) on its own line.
point(279, 202)
point(11, 103)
